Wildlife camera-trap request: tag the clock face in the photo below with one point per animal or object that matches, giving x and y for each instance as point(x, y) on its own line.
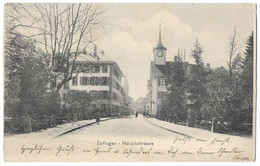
point(160, 53)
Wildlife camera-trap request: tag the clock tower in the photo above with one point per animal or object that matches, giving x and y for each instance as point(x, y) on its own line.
point(159, 51)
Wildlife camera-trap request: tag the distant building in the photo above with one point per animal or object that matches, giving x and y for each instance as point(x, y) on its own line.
point(101, 78)
point(126, 86)
point(140, 104)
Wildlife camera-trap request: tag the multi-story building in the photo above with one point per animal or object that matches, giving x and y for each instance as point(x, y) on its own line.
point(126, 86)
point(101, 78)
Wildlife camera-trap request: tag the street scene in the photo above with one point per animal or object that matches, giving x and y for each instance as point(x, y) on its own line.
point(178, 72)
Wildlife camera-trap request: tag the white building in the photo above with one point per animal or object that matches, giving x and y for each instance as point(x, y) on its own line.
point(101, 78)
point(159, 69)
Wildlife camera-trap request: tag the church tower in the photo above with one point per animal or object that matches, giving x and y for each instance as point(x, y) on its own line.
point(159, 51)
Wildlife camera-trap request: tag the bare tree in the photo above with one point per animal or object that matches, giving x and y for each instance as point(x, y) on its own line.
point(232, 52)
point(61, 30)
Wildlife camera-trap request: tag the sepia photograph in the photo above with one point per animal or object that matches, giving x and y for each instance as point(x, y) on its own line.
point(129, 82)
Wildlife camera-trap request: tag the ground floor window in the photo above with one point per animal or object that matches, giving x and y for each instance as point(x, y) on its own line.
point(104, 107)
point(75, 81)
point(99, 94)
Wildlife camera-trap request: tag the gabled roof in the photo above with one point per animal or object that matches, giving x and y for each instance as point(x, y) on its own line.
point(160, 70)
point(90, 57)
point(99, 58)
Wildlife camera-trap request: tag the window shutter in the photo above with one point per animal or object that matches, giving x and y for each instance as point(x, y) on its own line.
point(81, 80)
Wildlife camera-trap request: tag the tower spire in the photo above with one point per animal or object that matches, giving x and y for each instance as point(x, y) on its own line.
point(160, 38)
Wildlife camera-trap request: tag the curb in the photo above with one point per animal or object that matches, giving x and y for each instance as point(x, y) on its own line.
point(177, 132)
point(71, 130)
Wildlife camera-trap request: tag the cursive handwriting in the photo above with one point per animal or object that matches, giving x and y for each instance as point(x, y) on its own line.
point(98, 150)
point(221, 141)
point(68, 149)
point(181, 139)
point(36, 147)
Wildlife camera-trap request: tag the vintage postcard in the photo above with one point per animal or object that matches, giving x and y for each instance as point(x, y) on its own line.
point(129, 82)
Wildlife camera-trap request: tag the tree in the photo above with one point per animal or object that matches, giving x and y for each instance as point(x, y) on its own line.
point(247, 79)
point(232, 91)
point(196, 83)
point(63, 30)
point(173, 103)
point(196, 53)
point(26, 78)
point(247, 65)
point(232, 52)
point(218, 88)
point(80, 100)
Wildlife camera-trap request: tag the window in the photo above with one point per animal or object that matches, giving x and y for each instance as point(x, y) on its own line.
point(76, 68)
point(161, 82)
point(160, 95)
point(98, 95)
point(96, 81)
point(117, 86)
point(103, 107)
point(104, 94)
point(114, 83)
point(99, 80)
point(104, 81)
point(66, 85)
point(94, 94)
point(104, 69)
point(83, 80)
point(115, 73)
point(115, 96)
point(75, 81)
point(88, 69)
point(91, 81)
point(96, 69)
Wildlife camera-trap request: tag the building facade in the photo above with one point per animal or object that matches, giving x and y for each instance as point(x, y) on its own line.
point(101, 78)
point(156, 85)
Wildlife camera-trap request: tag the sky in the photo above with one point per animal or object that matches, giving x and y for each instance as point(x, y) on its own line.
point(131, 31)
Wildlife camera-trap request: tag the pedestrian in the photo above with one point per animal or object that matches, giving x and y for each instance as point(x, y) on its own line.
point(98, 115)
point(136, 114)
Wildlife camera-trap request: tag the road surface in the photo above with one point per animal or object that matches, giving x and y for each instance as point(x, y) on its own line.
point(131, 126)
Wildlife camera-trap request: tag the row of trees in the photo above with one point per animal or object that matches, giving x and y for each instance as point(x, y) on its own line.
point(204, 93)
point(42, 43)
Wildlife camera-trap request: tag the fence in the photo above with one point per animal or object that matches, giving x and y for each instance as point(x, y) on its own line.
point(29, 123)
point(212, 125)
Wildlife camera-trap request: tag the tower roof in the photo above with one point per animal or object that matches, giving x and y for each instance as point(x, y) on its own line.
point(160, 38)
point(160, 45)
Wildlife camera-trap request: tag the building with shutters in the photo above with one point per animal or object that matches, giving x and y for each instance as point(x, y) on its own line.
point(101, 78)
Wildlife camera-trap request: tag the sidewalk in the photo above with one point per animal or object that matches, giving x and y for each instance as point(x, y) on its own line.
point(189, 131)
point(60, 129)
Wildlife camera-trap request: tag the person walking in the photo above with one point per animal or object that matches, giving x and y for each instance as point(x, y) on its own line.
point(136, 114)
point(98, 115)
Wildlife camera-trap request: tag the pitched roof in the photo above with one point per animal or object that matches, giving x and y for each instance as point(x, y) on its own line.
point(99, 58)
point(90, 57)
point(161, 70)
